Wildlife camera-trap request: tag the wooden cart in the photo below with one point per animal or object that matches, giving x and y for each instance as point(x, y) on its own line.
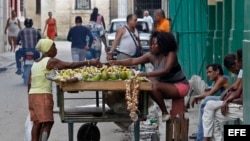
point(73, 116)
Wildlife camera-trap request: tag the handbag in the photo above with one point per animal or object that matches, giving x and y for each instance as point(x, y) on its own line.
point(138, 50)
point(28, 128)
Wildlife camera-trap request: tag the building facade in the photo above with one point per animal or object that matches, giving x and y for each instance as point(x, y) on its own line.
point(65, 10)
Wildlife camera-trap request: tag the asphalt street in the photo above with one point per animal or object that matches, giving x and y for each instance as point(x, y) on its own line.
point(14, 106)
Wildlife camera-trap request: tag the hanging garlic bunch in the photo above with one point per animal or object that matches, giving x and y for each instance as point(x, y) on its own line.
point(132, 97)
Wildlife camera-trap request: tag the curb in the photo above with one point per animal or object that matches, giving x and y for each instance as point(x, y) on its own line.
point(8, 64)
point(4, 67)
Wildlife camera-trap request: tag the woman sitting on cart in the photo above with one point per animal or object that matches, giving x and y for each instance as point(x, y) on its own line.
point(40, 89)
point(169, 81)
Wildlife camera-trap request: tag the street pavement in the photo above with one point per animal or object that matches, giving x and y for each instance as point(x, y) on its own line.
point(14, 106)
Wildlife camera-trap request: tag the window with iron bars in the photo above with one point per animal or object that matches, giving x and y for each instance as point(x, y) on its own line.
point(38, 6)
point(148, 4)
point(82, 4)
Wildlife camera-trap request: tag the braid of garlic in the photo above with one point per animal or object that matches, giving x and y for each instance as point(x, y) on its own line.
point(132, 98)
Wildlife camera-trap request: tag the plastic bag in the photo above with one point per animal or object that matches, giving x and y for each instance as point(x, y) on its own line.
point(28, 128)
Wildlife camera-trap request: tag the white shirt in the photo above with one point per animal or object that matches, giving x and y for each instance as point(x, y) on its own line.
point(149, 20)
point(240, 73)
point(127, 44)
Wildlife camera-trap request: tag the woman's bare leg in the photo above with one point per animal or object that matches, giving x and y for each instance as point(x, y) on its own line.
point(163, 91)
point(206, 139)
point(45, 131)
point(10, 43)
point(14, 44)
point(104, 42)
point(35, 133)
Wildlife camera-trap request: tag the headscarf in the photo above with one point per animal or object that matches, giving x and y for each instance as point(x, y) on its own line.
point(44, 45)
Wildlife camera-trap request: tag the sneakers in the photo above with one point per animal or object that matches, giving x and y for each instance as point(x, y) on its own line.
point(19, 72)
point(165, 117)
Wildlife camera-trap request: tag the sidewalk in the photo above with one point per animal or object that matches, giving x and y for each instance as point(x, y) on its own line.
point(7, 59)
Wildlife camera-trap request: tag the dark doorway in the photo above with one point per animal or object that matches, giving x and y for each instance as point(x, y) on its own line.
point(150, 5)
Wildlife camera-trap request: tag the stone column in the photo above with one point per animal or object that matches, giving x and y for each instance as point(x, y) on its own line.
point(246, 66)
point(217, 39)
point(3, 18)
point(227, 23)
point(165, 7)
point(211, 28)
point(122, 8)
point(236, 33)
point(130, 6)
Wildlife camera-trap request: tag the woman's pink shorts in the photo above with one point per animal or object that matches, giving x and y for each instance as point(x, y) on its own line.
point(183, 88)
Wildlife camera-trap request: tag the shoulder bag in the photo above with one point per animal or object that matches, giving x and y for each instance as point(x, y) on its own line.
point(138, 51)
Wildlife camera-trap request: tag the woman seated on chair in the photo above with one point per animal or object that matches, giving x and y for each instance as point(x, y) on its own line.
point(168, 79)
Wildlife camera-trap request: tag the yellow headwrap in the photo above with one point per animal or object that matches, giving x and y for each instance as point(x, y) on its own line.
point(44, 45)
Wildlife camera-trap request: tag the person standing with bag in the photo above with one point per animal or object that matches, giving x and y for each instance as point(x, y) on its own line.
point(128, 39)
point(98, 19)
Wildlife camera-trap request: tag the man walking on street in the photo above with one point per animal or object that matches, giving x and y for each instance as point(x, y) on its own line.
point(78, 36)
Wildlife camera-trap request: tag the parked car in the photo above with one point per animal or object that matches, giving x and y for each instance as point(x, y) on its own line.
point(142, 27)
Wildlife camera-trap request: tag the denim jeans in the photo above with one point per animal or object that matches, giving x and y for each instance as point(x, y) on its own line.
point(200, 114)
point(21, 53)
point(78, 54)
point(93, 54)
point(26, 74)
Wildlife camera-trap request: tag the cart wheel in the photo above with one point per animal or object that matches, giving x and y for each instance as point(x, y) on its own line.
point(88, 132)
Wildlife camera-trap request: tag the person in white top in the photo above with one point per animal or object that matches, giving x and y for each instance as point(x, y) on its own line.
point(149, 19)
point(13, 25)
point(127, 37)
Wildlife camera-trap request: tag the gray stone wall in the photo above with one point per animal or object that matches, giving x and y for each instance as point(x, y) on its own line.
point(30, 12)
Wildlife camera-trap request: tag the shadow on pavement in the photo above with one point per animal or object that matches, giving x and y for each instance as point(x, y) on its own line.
point(3, 69)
